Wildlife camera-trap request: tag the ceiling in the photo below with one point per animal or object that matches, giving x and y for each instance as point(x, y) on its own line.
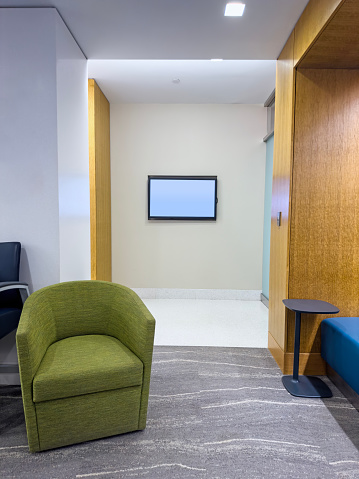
point(137, 48)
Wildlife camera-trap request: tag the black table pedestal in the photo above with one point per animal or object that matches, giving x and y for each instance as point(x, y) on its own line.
point(306, 386)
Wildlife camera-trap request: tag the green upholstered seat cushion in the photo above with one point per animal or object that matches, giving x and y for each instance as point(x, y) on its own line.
point(83, 365)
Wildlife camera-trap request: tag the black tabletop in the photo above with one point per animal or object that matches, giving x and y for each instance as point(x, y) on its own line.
point(313, 306)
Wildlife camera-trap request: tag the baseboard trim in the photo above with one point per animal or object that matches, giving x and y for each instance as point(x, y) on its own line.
point(309, 363)
point(265, 300)
point(215, 294)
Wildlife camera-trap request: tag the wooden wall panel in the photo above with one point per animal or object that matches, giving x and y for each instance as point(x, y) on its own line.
point(311, 23)
point(305, 258)
point(324, 245)
point(282, 160)
point(100, 183)
point(338, 45)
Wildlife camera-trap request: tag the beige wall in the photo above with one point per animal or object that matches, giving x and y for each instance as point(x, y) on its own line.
point(222, 140)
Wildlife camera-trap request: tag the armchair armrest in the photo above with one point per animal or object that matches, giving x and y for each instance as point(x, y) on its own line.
point(35, 333)
point(22, 287)
point(132, 324)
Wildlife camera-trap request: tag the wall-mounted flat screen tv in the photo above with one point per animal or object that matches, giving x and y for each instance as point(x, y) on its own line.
point(182, 198)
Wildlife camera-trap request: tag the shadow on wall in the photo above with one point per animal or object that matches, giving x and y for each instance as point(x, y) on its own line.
point(25, 274)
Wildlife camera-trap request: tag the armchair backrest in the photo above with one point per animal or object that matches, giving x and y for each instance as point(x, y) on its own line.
point(9, 271)
point(78, 308)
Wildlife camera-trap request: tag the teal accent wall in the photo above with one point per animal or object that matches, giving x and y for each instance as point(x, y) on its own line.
point(267, 215)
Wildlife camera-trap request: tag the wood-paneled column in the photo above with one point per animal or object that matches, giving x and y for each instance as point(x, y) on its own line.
point(100, 183)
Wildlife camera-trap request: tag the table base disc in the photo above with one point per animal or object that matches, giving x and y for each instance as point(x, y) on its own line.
point(306, 387)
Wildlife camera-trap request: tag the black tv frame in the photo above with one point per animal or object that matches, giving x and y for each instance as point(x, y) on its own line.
point(181, 177)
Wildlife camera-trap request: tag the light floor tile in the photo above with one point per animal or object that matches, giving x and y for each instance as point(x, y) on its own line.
point(222, 323)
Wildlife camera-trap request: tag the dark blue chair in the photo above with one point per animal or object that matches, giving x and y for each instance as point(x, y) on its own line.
point(12, 292)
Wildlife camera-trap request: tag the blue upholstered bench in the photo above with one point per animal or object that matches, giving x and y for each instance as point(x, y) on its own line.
point(340, 348)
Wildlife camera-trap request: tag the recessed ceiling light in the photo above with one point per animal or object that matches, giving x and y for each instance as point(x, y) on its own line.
point(234, 9)
point(216, 59)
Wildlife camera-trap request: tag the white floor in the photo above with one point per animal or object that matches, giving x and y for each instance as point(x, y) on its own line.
point(226, 323)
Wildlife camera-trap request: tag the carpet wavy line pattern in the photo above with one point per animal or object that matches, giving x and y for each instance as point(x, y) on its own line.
point(203, 422)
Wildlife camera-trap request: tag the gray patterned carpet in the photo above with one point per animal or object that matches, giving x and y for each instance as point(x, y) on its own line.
point(214, 413)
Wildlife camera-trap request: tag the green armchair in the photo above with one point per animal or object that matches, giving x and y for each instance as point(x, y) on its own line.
point(85, 354)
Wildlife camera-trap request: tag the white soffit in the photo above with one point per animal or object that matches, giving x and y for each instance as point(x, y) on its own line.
point(200, 81)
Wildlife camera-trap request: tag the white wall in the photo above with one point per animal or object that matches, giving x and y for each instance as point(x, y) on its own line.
point(222, 140)
point(44, 146)
point(43, 141)
point(28, 141)
point(73, 157)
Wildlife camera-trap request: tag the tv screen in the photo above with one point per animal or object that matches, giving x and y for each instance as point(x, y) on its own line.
point(182, 198)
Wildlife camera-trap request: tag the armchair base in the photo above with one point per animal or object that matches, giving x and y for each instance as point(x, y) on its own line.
point(83, 418)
